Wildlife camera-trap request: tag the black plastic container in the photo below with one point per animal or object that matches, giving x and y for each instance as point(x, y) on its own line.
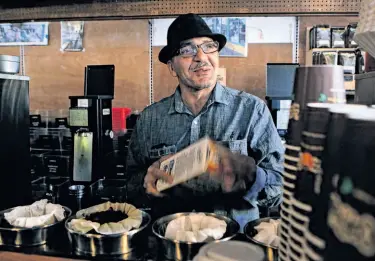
point(103, 190)
point(55, 189)
point(56, 163)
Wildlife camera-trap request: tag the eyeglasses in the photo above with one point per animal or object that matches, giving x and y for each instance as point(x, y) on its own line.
point(192, 49)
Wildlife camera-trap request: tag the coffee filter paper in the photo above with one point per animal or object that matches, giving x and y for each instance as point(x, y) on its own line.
point(38, 214)
point(133, 221)
point(268, 233)
point(195, 227)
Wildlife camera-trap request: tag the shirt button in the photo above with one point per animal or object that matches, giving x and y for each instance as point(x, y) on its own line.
point(195, 122)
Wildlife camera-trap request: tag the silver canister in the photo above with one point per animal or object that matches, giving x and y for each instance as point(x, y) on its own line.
point(20, 237)
point(97, 244)
point(176, 250)
point(250, 231)
point(9, 64)
point(76, 193)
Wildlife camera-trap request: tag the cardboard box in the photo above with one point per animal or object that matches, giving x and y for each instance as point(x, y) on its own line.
point(197, 159)
point(222, 76)
point(349, 82)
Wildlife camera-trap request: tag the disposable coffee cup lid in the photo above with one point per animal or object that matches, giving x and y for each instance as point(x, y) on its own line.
point(363, 115)
point(322, 105)
point(230, 250)
point(319, 65)
point(347, 108)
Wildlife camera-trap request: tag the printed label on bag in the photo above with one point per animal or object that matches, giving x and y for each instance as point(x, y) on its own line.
point(352, 228)
point(313, 165)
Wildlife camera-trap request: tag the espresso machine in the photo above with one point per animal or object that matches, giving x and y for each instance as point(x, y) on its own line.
point(91, 126)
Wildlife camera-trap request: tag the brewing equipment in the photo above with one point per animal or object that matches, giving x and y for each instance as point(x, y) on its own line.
point(91, 126)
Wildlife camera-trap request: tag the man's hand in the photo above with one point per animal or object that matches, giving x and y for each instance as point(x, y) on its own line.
point(235, 170)
point(153, 174)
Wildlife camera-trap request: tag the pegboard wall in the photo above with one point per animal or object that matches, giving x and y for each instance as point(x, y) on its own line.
point(156, 8)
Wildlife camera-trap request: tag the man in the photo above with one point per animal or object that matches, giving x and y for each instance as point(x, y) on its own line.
point(251, 164)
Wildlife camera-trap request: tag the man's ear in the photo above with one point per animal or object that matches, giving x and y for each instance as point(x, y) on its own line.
point(171, 68)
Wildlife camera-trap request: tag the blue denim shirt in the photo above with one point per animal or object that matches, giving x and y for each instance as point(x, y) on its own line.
point(238, 120)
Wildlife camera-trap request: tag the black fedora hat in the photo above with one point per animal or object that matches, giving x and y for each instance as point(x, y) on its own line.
point(185, 27)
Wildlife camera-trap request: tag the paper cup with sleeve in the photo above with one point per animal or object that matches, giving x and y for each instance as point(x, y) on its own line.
point(317, 230)
point(351, 214)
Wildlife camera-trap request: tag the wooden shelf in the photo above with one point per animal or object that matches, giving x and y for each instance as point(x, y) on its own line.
point(309, 52)
point(332, 49)
point(349, 85)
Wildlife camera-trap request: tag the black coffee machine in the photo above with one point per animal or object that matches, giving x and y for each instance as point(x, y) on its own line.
point(91, 126)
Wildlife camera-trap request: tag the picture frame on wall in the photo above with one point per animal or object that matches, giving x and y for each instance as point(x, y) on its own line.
point(239, 31)
point(72, 36)
point(16, 34)
point(234, 29)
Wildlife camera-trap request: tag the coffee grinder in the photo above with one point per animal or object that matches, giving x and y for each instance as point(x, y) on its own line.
point(91, 127)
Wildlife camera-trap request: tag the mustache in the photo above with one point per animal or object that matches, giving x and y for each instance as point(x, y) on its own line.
point(200, 65)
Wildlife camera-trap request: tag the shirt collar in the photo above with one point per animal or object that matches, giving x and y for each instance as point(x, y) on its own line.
point(219, 95)
point(177, 105)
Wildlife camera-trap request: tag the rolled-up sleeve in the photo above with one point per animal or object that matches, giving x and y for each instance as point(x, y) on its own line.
point(267, 150)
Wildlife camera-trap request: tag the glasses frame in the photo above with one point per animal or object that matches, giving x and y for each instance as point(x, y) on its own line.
point(197, 46)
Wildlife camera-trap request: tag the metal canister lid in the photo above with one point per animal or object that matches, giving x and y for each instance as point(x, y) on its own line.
point(77, 190)
point(10, 58)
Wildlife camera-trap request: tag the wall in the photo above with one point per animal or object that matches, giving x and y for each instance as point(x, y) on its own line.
point(270, 40)
point(309, 21)
point(247, 74)
point(55, 75)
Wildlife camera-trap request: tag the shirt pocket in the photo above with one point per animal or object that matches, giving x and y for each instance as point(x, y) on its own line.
point(236, 146)
point(157, 153)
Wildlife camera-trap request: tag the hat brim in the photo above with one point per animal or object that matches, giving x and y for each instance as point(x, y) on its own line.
point(167, 52)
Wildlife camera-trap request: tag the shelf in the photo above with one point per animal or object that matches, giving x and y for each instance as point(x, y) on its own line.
point(332, 49)
point(309, 52)
point(14, 77)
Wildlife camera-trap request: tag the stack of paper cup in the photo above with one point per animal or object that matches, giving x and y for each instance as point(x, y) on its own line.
point(365, 33)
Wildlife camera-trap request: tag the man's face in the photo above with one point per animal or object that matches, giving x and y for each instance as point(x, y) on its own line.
point(196, 72)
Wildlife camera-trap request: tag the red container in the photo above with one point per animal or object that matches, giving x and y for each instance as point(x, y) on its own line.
point(119, 116)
